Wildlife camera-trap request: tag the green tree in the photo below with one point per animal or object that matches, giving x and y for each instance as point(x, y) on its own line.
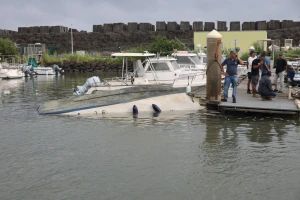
point(7, 47)
point(163, 45)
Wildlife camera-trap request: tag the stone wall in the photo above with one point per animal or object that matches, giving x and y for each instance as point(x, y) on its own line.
point(282, 34)
point(7, 32)
point(163, 26)
point(99, 42)
point(43, 29)
point(109, 37)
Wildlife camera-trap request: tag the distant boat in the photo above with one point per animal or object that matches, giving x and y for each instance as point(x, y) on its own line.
point(10, 71)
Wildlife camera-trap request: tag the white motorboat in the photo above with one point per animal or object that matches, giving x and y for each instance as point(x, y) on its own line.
point(13, 74)
point(167, 69)
point(35, 51)
point(163, 70)
point(10, 71)
point(44, 71)
point(47, 70)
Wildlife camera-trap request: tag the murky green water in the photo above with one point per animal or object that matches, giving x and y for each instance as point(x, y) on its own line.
point(185, 156)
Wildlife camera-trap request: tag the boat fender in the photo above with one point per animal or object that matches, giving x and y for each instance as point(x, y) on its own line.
point(188, 89)
point(156, 108)
point(135, 110)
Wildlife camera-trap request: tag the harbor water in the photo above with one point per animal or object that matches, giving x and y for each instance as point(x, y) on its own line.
point(176, 156)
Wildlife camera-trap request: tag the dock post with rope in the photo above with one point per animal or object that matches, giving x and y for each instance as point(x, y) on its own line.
point(213, 72)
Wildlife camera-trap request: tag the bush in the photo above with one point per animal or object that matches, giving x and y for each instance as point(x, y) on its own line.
point(164, 46)
point(7, 47)
point(258, 48)
point(245, 56)
point(292, 53)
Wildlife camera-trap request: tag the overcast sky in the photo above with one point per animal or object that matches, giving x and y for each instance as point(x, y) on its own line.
point(84, 13)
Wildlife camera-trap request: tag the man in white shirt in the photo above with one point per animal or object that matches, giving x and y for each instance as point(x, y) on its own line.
point(250, 60)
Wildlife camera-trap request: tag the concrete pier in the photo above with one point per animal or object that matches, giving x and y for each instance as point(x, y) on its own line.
point(247, 104)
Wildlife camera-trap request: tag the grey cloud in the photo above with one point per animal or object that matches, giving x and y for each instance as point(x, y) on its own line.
point(84, 13)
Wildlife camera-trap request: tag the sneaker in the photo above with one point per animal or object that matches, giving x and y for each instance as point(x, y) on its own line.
point(249, 92)
point(234, 101)
point(275, 90)
point(279, 91)
point(224, 100)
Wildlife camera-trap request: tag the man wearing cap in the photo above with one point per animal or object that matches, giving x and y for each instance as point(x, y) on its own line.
point(231, 74)
point(265, 87)
point(250, 60)
point(281, 66)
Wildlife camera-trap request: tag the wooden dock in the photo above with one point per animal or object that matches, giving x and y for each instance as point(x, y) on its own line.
point(248, 104)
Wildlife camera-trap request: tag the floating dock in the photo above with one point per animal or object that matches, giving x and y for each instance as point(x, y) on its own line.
point(248, 104)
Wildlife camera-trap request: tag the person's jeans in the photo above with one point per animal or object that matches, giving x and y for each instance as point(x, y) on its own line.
point(269, 94)
point(281, 78)
point(230, 80)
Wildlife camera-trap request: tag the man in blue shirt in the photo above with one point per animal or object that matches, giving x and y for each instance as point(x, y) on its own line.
point(266, 67)
point(231, 76)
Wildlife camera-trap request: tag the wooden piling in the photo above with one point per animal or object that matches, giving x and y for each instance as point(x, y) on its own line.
point(213, 73)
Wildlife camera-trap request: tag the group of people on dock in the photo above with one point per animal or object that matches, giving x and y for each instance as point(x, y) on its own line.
point(256, 64)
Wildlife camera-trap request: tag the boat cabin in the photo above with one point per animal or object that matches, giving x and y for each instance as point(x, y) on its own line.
point(191, 61)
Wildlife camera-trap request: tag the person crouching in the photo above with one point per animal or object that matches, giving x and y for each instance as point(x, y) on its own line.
point(265, 87)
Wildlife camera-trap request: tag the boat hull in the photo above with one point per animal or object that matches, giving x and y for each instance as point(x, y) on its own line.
point(122, 101)
point(44, 71)
point(168, 103)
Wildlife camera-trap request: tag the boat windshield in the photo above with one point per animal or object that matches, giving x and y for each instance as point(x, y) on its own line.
point(196, 60)
point(175, 65)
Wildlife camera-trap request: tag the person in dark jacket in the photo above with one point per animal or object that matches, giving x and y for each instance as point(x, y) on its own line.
point(265, 87)
point(281, 66)
point(256, 65)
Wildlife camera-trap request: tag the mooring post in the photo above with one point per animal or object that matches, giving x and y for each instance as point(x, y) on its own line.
point(213, 71)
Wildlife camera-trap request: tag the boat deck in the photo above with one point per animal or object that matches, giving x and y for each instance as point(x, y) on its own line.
point(246, 103)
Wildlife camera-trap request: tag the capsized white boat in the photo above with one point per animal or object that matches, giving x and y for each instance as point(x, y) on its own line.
point(131, 100)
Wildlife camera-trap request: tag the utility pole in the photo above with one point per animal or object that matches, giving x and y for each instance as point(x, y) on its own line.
point(72, 38)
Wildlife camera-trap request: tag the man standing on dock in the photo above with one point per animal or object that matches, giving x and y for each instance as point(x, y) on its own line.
point(265, 87)
point(267, 64)
point(231, 74)
point(281, 66)
point(256, 64)
point(249, 67)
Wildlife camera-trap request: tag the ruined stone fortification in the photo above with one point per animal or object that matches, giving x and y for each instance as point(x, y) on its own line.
point(111, 37)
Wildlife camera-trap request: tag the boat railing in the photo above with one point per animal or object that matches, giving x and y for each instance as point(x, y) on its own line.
point(114, 79)
point(190, 76)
